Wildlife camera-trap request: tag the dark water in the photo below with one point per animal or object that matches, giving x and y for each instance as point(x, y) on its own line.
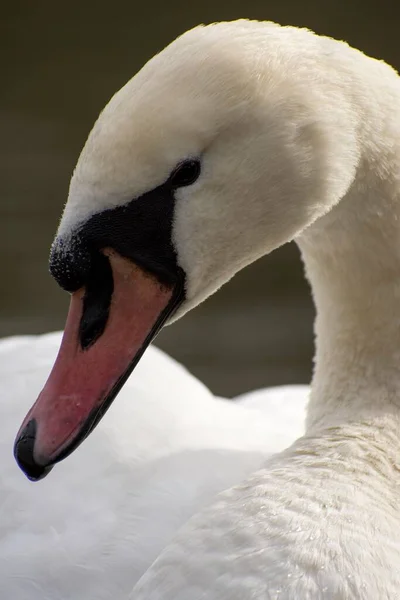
point(61, 63)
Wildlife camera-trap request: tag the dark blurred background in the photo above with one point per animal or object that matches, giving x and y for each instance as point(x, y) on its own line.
point(62, 61)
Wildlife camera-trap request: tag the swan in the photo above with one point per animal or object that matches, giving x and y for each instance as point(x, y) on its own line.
point(164, 451)
point(234, 140)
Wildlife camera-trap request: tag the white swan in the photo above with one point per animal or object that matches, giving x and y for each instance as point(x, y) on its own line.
point(234, 140)
point(166, 448)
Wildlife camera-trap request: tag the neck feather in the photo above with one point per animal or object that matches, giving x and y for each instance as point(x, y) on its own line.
point(352, 260)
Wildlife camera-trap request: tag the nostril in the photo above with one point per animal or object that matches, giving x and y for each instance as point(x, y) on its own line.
point(23, 452)
point(99, 288)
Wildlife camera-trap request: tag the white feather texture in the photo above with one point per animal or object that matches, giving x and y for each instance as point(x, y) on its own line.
point(165, 449)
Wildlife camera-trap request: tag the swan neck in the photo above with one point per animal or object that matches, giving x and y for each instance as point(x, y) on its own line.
point(352, 261)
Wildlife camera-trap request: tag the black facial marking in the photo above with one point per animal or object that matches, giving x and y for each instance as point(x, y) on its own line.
point(140, 231)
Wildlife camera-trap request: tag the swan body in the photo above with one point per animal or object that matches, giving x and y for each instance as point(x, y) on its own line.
point(163, 452)
point(234, 140)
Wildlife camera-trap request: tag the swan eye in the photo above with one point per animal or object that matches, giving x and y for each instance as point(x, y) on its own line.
point(186, 173)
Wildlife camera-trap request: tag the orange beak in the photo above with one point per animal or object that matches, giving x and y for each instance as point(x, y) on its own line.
point(85, 380)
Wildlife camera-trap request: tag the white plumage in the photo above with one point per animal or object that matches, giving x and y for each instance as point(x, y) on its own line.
point(165, 449)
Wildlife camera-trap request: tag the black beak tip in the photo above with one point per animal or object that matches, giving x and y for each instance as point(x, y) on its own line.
point(23, 452)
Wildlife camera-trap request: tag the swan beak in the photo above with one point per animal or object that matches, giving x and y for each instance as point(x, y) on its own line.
point(86, 377)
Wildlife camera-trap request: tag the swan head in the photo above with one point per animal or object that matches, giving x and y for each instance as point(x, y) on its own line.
point(219, 150)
